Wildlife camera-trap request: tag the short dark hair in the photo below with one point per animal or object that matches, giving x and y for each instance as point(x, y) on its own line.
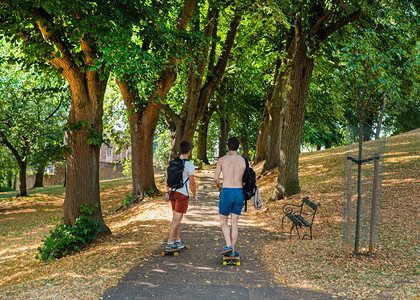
point(233, 143)
point(185, 147)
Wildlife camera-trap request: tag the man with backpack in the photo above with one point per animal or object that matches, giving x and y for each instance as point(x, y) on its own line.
point(180, 177)
point(233, 167)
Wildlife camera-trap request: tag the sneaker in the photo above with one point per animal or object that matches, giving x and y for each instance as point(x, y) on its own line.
point(180, 244)
point(233, 254)
point(226, 250)
point(171, 247)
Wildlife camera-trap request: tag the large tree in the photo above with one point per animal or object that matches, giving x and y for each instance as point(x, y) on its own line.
point(143, 98)
point(31, 113)
point(69, 36)
point(203, 75)
point(313, 22)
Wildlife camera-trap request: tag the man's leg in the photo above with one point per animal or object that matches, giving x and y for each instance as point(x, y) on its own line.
point(234, 230)
point(225, 229)
point(174, 230)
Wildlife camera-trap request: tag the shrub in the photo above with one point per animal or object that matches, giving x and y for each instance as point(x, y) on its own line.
point(65, 239)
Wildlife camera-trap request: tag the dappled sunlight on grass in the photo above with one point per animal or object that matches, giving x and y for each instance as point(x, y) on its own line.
point(25, 222)
point(319, 264)
point(390, 272)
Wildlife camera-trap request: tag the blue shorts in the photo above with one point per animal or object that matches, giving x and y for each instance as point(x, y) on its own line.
point(231, 201)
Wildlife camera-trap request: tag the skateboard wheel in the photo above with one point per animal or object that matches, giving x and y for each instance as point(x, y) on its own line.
point(224, 263)
point(176, 254)
point(162, 253)
point(238, 263)
point(187, 247)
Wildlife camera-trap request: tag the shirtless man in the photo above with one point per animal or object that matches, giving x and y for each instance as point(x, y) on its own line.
point(231, 195)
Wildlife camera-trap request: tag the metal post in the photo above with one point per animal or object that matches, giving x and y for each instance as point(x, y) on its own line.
point(359, 192)
point(374, 203)
point(348, 208)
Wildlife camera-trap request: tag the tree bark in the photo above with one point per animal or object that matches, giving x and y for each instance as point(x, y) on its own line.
point(261, 149)
point(296, 100)
point(22, 179)
point(39, 176)
point(143, 122)
point(223, 136)
point(9, 179)
point(84, 139)
point(142, 127)
point(276, 108)
point(22, 160)
point(296, 97)
point(198, 96)
point(202, 134)
point(276, 116)
point(244, 142)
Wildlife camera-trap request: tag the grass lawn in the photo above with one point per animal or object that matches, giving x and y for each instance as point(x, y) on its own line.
point(391, 272)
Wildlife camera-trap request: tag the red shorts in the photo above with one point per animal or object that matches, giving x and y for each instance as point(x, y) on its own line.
point(179, 203)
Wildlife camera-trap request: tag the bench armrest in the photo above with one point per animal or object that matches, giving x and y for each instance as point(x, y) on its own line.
point(289, 208)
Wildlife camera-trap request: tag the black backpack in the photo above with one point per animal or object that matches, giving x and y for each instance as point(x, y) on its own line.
point(174, 174)
point(249, 183)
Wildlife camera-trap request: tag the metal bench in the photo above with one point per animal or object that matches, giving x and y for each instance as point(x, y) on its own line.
point(302, 215)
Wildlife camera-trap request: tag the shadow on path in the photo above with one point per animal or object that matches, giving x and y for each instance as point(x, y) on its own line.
point(198, 273)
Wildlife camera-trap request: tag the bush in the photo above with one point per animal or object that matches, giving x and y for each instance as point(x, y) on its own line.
point(65, 239)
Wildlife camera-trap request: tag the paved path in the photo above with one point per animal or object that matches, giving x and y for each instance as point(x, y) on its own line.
point(198, 273)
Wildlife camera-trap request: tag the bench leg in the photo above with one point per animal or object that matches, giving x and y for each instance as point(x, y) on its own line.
point(297, 229)
point(282, 219)
point(291, 229)
point(310, 236)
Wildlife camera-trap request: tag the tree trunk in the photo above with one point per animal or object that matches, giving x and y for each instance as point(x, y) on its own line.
point(244, 143)
point(379, 127)
point(22, 160)
point(202, 142)
point(142, 128)
point(276, 116)
point(14, 182)
point(261, 149)
point(198, 96)
point(143, 122)
point(39, 177)
point(296, 100)
point(22, 179)
point(84, 138)
point(276, 109)
point(9, 179)
point(202, 135)
point(223, 136)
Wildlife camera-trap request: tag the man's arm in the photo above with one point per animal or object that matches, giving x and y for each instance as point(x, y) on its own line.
point(193, 188)
point(217, 175)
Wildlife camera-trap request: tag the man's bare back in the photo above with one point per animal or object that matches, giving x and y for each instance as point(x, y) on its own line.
point(232, 166)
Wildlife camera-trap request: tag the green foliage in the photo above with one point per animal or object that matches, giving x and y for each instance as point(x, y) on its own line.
point(151, 193)
point(126, 163)
point(65, 239)
point(33, 106)
point(126, 201)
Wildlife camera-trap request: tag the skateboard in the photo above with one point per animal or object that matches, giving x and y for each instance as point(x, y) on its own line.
point(174, 253)
point(228, 260)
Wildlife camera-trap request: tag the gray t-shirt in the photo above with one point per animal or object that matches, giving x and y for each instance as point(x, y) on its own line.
point(189, 169)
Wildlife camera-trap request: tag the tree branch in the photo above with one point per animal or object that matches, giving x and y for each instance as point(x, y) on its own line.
point(323, 34)
point(65, 61)
point(55, 110)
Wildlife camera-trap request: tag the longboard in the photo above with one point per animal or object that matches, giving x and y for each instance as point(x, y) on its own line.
point(174, 253)
point(231, 260)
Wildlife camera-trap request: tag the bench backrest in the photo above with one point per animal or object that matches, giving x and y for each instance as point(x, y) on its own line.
point(310, 203)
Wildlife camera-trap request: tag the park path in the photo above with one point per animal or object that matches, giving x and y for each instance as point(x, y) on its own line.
point(198, 273)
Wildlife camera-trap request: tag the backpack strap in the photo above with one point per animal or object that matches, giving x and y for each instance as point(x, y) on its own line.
point(183, 164)
point(246, 170)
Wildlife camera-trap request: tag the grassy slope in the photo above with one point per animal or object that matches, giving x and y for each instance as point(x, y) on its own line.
point(318, 264)
point(392, 271)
